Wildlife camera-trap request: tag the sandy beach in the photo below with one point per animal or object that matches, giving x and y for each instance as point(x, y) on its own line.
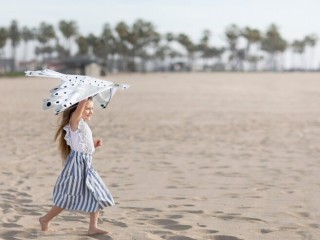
point(225, 156)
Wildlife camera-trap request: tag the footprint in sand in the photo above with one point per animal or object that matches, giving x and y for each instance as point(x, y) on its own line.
point(137, 209)
point(237, 216)
point(264, 231)
point(115, 223)
point(304, 214)
point(210, 231)
point(165, 234)
point(179, 198)
point(74, 218)
point(163, 222)
point(29, 234)
point(314, 225)
point(178, 227)
point(192, 211)
point(201, 225)
point(226, 237)
point(176, 216)
point(170, 224)
point(10, 225)
point(180, 238)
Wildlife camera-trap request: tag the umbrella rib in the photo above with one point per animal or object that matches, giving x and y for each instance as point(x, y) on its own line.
point(109, 97)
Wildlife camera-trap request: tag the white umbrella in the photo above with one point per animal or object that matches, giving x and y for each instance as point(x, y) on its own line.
point(74, 88)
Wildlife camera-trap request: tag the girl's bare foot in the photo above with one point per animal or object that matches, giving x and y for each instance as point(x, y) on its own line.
point(44, 225)
point(93, 231)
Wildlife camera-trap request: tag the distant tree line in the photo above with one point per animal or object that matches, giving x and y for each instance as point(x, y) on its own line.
point(124, 46)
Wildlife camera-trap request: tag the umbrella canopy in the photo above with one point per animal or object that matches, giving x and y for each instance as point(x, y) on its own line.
point(74, 88)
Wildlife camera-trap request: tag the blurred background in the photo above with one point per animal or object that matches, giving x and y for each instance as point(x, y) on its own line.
point(101, 37)
point(209, 144)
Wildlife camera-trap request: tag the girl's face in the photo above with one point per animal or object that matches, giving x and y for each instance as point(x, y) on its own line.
point(88, 111)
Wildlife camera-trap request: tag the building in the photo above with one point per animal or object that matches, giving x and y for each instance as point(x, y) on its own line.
point(27, 65)
point(79, 65)
point(6, 65)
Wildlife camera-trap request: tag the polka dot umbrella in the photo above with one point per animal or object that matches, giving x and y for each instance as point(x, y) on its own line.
point(74, 88)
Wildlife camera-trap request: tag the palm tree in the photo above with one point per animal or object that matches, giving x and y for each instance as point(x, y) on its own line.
point(140, 41)
point(190, 47)
point(213, 53)
point(162, 52)
point(166, 52)
point(122, 30)
point(169, 38)
point(273, 44)
point(252, 36)
point(311, 41)
point(3, 40)
point(299, 48)
point(68, 30)
point(203, 46)
point(61, 51)
point(207, 52)
point(45, 33)
point(232, 35)
point(15, 36)
point(27, 35)
point(110, 44)
point(142, 37)
point(92, 42)
point(83, 45)
point(253, 60)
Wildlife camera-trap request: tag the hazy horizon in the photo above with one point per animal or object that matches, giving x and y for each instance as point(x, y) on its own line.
point(295, 18)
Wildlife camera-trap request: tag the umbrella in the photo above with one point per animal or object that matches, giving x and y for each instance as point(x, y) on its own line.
point(74, 88)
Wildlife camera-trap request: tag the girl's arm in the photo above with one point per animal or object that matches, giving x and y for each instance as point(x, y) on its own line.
point(77, 114)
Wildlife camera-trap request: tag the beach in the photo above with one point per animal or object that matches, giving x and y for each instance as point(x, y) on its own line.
point(223, 156)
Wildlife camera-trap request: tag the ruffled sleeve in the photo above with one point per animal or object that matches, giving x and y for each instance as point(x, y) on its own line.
point(82, 137)
point(80, 140)
point(80, 132)
point(67, 137)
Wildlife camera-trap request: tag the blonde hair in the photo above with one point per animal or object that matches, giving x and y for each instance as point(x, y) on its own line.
point(63, 147)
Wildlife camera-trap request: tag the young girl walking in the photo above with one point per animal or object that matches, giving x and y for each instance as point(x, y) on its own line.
point(79, 187)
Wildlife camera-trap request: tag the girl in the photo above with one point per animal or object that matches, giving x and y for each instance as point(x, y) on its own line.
point(79, 187)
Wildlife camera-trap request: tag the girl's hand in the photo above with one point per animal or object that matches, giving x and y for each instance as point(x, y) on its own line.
point(98, 143)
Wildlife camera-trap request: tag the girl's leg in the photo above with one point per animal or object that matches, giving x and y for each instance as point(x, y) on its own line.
point(44, 221)
point(93, 226)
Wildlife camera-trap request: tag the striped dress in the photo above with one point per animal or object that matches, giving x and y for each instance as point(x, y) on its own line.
point(79, 187)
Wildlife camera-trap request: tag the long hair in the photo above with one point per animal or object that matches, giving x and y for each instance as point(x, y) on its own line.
point(63, 147)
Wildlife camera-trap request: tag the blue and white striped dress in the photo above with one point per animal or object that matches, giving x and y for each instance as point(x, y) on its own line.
point(79, 187)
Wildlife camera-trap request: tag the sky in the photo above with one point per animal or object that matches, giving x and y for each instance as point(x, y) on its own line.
point(295, 18)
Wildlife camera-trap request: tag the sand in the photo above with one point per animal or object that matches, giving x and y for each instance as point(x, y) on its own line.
point(186, 156)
